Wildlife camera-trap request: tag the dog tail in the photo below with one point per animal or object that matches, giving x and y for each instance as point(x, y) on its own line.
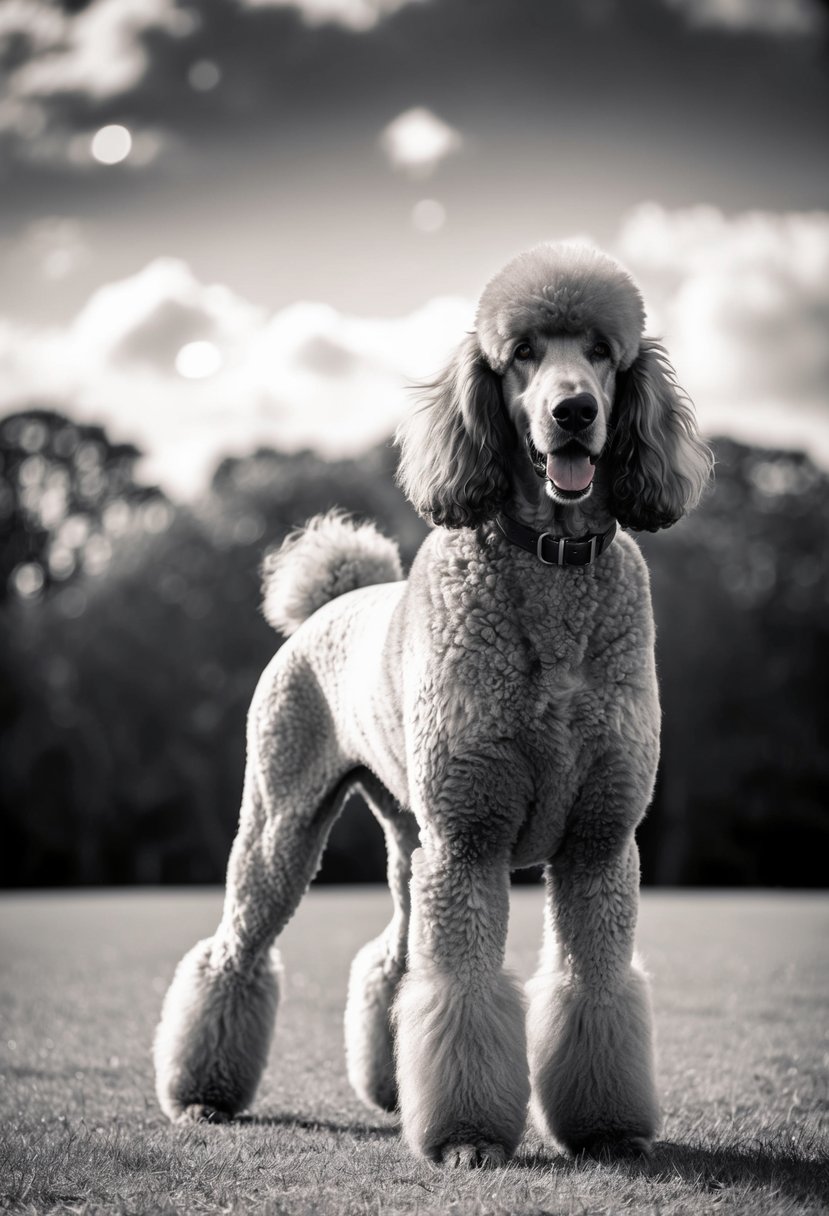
point(328, 557)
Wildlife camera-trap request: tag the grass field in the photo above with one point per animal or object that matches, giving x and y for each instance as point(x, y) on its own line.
point(740, 987)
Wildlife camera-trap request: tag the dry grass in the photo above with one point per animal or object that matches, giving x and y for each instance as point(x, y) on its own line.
point(740, 994)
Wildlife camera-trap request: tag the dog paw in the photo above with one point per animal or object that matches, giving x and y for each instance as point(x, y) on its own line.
point(472, 1156)
point(200, 1112)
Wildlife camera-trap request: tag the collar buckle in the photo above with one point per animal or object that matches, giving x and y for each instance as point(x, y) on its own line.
point(569, 551)
point(539, 548)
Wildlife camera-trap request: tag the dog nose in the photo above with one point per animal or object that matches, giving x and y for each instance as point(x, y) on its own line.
point(575, 413)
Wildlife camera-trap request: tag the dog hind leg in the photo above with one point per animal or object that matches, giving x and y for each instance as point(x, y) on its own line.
point(217, 1020)
point(379, 967)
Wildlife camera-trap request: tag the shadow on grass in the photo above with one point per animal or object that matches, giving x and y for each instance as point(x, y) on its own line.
point(705, 1169)
point(359, 1131)
point(709, 1169)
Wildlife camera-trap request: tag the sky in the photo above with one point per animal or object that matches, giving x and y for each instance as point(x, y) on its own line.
point(228, 223)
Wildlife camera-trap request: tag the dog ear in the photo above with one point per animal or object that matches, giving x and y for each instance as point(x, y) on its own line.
point(455, 449)
point(659, 466)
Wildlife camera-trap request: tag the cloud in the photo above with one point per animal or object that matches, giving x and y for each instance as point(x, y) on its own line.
point(743, 303)
point(102, 51)
point(307, 376)
point(417, 141)
point(57, 245)
point(99, 51)
point(97, 54)
point(357, 15)
point(64, 74)
point(147, 318)
point(776, 17)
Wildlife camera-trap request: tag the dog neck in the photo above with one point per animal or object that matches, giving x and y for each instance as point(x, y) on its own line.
point(530, 504)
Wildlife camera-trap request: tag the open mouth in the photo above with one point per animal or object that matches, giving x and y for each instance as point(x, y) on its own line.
point(569, 469)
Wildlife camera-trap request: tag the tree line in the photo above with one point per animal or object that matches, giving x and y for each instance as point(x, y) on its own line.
point(132, 641)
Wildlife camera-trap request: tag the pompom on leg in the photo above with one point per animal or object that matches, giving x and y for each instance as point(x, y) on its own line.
point(592, 1064)
point(212, 1042)
point(462, 1067)
point(369, 1036)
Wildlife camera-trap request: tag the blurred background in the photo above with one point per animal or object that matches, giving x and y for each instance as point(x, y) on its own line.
point(232, 234)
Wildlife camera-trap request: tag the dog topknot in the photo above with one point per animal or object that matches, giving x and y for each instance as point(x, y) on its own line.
point(565, 287)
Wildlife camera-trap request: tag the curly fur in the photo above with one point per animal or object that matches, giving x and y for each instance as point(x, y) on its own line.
point(328, 557)
point(463, 428)
point(592, 1062)
point(458, 450)
point(660, 467)
point(498, 712)
point(215, 1031)
point(369, 1040)
point(476, 1037)
point(567, 288)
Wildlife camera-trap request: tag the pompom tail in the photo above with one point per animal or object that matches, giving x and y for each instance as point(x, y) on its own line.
point(330, 556)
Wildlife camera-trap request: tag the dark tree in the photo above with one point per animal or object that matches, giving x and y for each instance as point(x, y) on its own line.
point(65, 488)
point(127, 665)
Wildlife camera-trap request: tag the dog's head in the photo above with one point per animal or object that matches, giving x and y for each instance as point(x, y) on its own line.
point(557, 382)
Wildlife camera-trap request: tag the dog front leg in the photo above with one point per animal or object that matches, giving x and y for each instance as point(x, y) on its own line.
point(589, 1024)
point(461, 1048)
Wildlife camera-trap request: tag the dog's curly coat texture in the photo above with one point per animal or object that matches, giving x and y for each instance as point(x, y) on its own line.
point(496, 712)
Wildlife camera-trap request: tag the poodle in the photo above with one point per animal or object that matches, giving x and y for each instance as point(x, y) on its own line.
point(498, 709)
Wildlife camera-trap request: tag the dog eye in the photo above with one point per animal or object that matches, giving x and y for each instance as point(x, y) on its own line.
point(600, 350)
point(523, 351)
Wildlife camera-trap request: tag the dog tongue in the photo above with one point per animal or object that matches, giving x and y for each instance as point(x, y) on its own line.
point(570, 470)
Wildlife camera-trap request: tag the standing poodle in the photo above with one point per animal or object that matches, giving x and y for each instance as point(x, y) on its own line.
point(498, 709)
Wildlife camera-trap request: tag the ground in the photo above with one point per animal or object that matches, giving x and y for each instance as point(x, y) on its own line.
point(740, 993)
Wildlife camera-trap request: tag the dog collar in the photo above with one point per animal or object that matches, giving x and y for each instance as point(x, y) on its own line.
point(556, 550)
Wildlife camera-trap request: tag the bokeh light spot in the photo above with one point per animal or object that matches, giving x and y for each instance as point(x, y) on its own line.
point(61, 562)
point(417, 141)
point(111, 144)
point(428, 215)
point(204, 75)
point(198, 360)
point(72, 603)
point(156, 515)
point(28, 580)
